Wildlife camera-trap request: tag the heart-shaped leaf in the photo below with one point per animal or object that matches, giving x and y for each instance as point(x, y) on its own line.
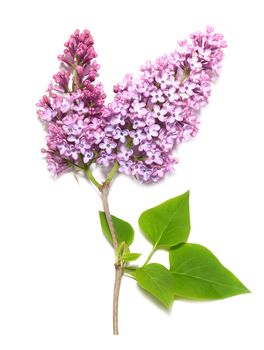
point(158, 281)
point(198, 274)
point(124, 231)
point(167, 224)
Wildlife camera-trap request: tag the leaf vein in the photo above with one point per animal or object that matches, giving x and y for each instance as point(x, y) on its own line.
point(208, 280)
point(169, 222)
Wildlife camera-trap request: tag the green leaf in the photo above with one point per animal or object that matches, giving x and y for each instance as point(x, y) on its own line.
point(167, 224)
point(198, 274)
point(124, 231)
point(130, 256)
point(158, 281)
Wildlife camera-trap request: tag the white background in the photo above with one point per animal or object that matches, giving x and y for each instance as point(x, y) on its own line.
point(56, 272)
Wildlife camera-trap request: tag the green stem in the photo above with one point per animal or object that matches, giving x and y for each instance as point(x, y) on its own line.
point(104, 189)
point(112, 173)
point(118, 266)
point(73, 164)
point(118, 277)
point(75, 79)
point(185, 76)
point(130, 268)
point(92, 178)
point(75, 85)
point(150, 255)
point(128, 275)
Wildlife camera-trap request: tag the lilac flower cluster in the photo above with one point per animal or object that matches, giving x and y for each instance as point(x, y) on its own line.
point(152, 114)
point(149, 116)
point(73, 109)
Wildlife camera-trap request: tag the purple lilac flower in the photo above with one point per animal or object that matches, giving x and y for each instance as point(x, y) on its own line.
point(171, 93)
point(105, 159)
point(154, 156)
point(160, 112)
point(120, 134)
point(107, 145)
point(160, 107)
point(157, 96)
point(125, 166)
point(124, 153)
point(73, 109)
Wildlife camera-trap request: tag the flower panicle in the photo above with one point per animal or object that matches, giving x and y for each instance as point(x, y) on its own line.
point(149, 116)
point(73, 108)
point(159, 109)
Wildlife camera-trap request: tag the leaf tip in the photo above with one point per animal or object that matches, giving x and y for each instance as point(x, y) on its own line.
point(246, 290)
